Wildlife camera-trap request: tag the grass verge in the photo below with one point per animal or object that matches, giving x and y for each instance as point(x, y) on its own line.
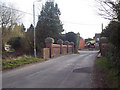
point(111, 73)
point(10, 64)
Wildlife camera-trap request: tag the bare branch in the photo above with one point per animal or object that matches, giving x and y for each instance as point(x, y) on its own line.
point(107, 9)
point(8, 15)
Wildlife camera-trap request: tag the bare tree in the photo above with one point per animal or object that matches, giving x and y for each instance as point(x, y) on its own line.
point(109, 9)
point(9, 16)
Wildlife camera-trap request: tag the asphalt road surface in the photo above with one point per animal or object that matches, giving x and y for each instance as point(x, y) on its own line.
point(69, 71)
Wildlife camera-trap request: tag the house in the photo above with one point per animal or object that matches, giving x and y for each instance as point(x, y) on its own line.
point(97, 40)
point(91, 44)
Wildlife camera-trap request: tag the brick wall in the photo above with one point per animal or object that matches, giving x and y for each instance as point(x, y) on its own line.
point(57, 49)
point(102, 48)
point(46, 53)
point(69, 48)
point(103, 44)
point(64, 49)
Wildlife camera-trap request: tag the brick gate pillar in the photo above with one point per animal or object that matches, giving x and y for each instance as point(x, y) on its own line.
point(49, 44)
point(67, 43)
point(103, 44)
point(61, 45)
point(72, 43)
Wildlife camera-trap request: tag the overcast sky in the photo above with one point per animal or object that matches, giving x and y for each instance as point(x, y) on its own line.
point(76, 15)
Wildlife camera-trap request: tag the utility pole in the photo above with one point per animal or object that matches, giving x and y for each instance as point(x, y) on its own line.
point(102, 27)
point(34, 27)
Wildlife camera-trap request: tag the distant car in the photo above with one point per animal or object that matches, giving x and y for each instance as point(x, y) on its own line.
point(7, 47)
point(92, 46)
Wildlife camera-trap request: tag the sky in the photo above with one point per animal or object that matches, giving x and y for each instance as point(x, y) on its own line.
point(76, 15)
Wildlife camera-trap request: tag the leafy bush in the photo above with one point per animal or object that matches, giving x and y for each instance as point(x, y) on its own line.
point(110, 51)
point(27, 45)
point(112, 32)
point(14, 42)
point(113, 54)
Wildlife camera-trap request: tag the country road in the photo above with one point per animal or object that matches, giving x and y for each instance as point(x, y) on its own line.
point(69, 71)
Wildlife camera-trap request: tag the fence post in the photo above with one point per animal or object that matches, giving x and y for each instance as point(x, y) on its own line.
point(49, 44)
point(67, 43)
point(61, 45)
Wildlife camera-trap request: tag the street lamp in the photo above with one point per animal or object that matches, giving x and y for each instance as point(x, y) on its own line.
point(34, 26)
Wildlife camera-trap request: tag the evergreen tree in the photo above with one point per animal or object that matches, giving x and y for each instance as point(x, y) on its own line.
point(29, 37)
point(31, 28)
point(73, 37)
point(23, 28)
point(49, 24)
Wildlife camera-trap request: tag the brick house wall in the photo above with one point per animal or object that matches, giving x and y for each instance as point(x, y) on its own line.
point(81, 44)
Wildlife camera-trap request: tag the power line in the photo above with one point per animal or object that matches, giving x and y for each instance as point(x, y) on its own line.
point(78, 23)
point(47, 17)
point(17, 10)
point(26, 12)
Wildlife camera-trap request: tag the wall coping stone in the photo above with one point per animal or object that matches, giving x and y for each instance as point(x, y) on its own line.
point(66, 42)
point(71, 43)
point(49, 40)
point(60, 41)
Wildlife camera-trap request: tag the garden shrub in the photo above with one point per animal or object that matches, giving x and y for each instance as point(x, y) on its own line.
point(14, 42)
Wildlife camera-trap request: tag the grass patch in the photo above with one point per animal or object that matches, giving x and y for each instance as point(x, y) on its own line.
point(86, 49)
point(76, 52)
point(9, 64)
point(111, 73)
